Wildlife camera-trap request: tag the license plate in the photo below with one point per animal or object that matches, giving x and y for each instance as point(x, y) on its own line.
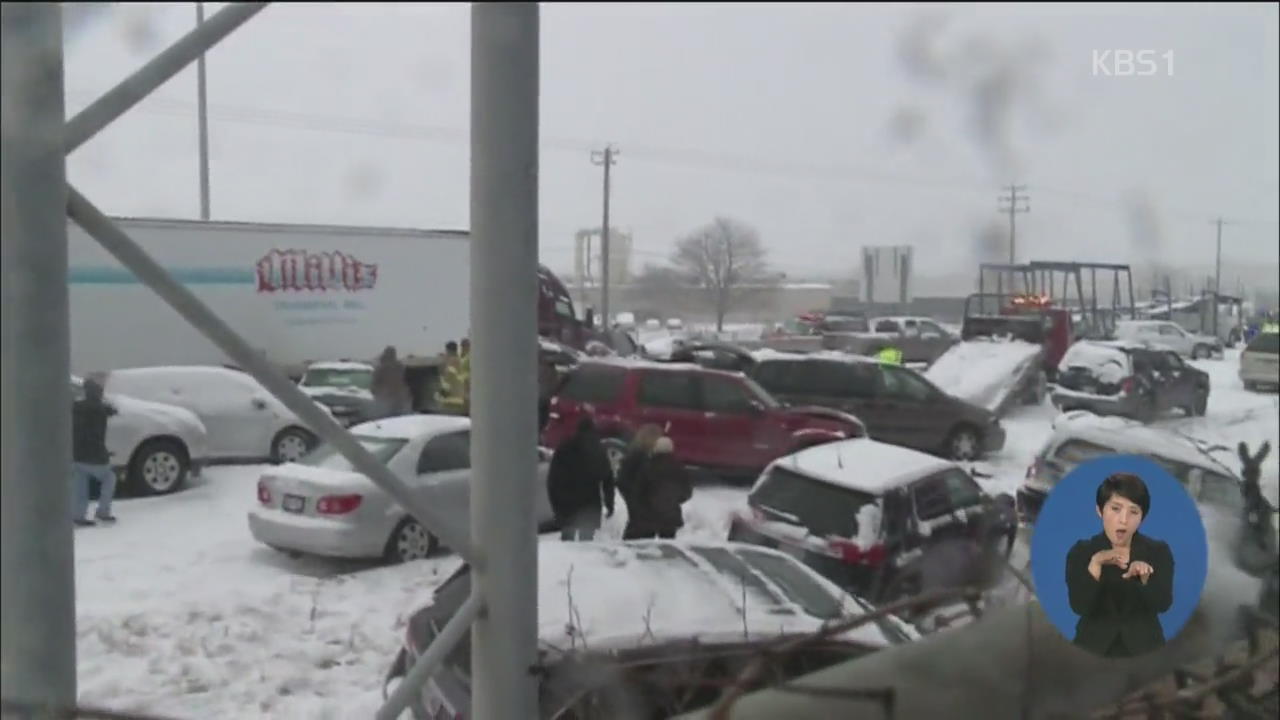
point(294, 503)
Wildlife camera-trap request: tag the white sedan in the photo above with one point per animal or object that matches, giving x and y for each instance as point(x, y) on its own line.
point(322, 506)
point(244, 420)
point(154, 447)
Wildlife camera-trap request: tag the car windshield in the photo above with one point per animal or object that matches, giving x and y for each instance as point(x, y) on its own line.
point(824, 509)
point(358, 378)
point(327, 456)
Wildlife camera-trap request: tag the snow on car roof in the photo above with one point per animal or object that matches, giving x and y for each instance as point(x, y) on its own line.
point(411, 426)
point(767, 354)
point(864, 464)
point(339, 365)
point(620, 595)
point(1130, 436)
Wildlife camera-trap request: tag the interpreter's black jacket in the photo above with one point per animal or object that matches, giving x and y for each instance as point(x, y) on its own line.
point(1120, 617)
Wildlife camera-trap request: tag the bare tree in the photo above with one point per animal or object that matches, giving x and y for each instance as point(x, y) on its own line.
point(726, 260)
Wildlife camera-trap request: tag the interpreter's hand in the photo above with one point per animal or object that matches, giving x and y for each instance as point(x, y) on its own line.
point(1139, 570)
point(1115, 556)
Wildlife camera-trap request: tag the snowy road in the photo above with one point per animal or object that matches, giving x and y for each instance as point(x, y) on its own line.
point(181, 613)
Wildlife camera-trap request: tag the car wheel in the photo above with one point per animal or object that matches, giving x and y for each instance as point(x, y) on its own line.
point(291, 444)
point(410, 541)
point(1202, 403)
point(158, 467)
point(1200, 352)
point(965, 443)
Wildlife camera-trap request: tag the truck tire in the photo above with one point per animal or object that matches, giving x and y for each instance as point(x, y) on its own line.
point(290, 444)
point(158, 467)
point(1037, 392)
point(1201, 405)
point(1201, 352)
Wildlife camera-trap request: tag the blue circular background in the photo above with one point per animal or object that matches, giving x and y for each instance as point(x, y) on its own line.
point(1070, 514)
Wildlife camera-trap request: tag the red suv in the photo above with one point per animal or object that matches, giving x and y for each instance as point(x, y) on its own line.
point(721, 421)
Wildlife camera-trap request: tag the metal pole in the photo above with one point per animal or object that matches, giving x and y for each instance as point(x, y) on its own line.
point(1217, 279)
point(504, 293)
point(427, 663)
point(37, 587)
point(202, 100)
point(157, 72)
point(437, 518)
point(604, 244)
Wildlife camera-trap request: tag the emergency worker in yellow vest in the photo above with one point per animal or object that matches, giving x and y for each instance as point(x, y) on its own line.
point(455, 383)
point(889, 356)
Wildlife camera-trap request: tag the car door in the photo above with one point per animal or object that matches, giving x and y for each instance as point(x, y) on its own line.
point(670, 400)
point(443, 473)
point(735, 430)
point(1175, 338)
point(1181, 386)
point(903, 406)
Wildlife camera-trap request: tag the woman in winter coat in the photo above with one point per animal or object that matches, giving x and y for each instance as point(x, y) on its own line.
point(630, 472)
point(579, 481)
point(667, 487)
point(391, 396)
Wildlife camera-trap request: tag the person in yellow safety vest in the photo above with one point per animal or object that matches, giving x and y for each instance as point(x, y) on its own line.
point(890, 356)
point(455, 383)
point(1271, 327)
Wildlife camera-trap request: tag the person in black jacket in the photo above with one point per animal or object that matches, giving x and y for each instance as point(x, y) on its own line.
point(631, 477)
point(579, 480)
point(1119, 581)
point(666, 487)
point(90, 458)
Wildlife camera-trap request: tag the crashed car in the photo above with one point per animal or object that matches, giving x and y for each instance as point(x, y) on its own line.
point(1081, 436)
point(1134, 380)
point(879, 520)
point(645, 629)
point(343, 387)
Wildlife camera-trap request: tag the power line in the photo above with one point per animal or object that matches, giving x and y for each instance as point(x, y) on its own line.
point(682, 157)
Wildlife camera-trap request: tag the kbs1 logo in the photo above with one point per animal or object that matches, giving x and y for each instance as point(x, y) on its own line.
point(299, 270)
point(1132, 63)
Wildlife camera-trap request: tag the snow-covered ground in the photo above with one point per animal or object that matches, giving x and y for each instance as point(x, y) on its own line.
point(181, 613)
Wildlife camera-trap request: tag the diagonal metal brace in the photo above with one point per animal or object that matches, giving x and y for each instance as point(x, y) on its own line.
point(195, 312)
point(161, 69)
point(427, 663)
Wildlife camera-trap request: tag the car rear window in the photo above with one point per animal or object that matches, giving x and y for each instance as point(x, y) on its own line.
point(1265, 343)
point(822, 508)
point(593, 384)
point(327, 456)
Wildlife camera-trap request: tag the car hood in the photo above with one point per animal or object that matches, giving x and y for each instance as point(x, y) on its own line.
point(172, 417)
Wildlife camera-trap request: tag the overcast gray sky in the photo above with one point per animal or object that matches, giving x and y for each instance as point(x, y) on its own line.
point(828, 127)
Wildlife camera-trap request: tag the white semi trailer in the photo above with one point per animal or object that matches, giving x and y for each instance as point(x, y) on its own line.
point(298, 293)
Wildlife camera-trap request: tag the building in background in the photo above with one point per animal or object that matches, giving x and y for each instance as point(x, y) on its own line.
point(588, 263)
point(887, 272)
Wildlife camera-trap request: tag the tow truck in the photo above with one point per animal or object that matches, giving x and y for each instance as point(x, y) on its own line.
point(1013, 339)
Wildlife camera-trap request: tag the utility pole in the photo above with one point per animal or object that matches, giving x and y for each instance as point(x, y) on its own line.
point(202, 113)
point(607, 158)
point(1217, 273)
point(1013, 209)
point(37, 589)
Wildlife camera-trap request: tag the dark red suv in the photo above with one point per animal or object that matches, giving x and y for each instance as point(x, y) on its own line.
point(721, 421)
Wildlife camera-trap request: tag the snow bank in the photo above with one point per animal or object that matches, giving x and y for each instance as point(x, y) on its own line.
point(983, 372)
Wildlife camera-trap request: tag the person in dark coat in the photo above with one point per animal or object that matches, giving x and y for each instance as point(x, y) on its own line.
point(391, 396)
point(666, 488)
point(579, 481)
point(1119, 581)
point(90, 458)
point(631, 482)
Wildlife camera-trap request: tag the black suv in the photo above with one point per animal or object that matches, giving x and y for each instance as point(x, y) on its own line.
point(898, 404)
point(1129, 379)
